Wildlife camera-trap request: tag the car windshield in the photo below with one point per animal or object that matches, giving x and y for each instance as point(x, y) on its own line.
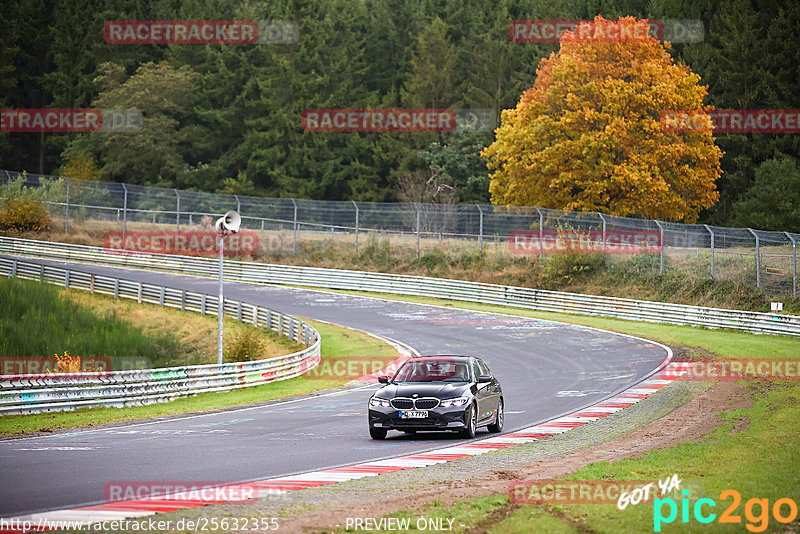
point(444, 370)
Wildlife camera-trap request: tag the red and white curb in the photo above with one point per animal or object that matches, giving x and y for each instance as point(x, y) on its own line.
point(139, 508)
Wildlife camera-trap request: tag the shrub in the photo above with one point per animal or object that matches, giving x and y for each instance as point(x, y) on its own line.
point(245, 345)
point(24, 215)
point(563, 269)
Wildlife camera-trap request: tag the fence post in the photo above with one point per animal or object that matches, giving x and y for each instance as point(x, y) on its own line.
point(604, 235)
point(794, 264)
point(66, 210)
point(758, 258)
point(661, 246)
point(416, 207)
point(9, 183)
point(177, 212)
point(238, 205)
point(356, 206)
point(710, 231)
point(124, 211)
point(66, 279)
point(541, 231)
point(480, 229)
point(294, 239)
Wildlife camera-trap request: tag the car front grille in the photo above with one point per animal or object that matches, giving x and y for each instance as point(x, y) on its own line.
point(402, 403)
point(426, 404)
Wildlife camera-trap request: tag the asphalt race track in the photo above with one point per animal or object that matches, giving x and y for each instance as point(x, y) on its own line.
point(547, 369)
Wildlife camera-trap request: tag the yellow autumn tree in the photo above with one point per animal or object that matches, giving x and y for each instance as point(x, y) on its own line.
point(588, 136)
point(81, 166)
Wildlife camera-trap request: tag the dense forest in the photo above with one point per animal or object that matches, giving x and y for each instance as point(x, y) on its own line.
point(227, 117)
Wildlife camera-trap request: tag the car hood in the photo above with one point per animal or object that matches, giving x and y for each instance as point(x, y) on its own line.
point(439, 390)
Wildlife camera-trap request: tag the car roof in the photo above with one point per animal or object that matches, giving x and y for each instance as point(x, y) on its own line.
point(445, 356)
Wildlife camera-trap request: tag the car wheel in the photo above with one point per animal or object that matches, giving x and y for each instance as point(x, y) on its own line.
point(472, 423)
point(497, 426)
point(377, 433)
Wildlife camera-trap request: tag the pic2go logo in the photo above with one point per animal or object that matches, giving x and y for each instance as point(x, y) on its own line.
point(756, 523)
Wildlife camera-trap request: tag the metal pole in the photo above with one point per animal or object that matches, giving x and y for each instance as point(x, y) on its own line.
point(661, 251)
point(178, 213)
point(417, 208)
point(794, 264)
point(480, 229)
point(66, 212)
point(758, 258)
point(9, 183)
point(356, 206)
point(294, 240)
point(238, 205)
point(541, 231)
point(220, 305)
point(710, 231)
point(604, 235)
point(124, 211)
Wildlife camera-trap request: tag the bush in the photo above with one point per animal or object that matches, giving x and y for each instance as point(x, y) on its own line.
point(563, 269)
point(245, 345)
point(24, 215)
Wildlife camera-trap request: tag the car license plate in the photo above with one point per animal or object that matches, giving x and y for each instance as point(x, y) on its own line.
point(413, 414)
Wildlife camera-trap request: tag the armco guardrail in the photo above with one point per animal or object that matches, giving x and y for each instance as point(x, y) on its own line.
point(521, 297)
point(64, 391)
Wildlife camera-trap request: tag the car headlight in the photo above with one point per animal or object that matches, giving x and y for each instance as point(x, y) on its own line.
point(458, 401)
point(375, 401)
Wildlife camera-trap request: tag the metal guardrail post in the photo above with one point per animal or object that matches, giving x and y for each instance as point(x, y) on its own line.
point(177, 212)
point(416, 207)
point(710, 231)
point(604, 235)
point(794, 264)
point(661, 247)
point(356, 206)
point(124, 211)
point(758, 258)
point(480, 229)
point(294, 239)
point(541, 231)
point(66, 210)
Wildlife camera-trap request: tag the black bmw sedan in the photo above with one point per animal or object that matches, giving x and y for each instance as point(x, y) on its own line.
point(438, 393)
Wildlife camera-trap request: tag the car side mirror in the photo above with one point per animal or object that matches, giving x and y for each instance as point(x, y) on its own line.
point(383, 379)
point(485, 378)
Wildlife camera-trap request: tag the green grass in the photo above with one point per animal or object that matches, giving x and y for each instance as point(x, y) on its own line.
point(36, 321)
point(338, 343)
